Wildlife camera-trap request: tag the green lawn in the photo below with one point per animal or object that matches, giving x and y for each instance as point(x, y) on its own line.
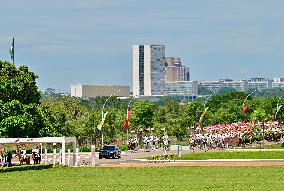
point(272, 146)
point(148, 179)
point(233, 155)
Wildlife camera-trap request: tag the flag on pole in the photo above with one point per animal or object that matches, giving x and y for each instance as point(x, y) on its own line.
point(126, 123)
point(100, 125)
point(12, 51)
point(244, 109)
point(128, 114)
point(202, 116)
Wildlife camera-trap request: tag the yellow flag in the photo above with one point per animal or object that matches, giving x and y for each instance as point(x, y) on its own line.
point(100, 125)
point(202, 116)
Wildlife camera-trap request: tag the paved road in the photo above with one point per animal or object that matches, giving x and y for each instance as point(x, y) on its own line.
point(128, 157)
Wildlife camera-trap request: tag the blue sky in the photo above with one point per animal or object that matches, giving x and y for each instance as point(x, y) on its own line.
point(90, 41)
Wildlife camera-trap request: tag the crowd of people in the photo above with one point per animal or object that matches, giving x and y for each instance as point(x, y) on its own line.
point(150, 143)
point(235, 134)
point(217, 136)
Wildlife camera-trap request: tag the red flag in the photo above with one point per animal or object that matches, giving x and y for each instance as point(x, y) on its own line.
point(128, 114)
point(245, 109)
point(126, 124)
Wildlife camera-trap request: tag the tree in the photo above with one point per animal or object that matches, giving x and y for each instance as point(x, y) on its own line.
point(142, 115)
point(64, 114)
point(19, 99)
point(18, 84)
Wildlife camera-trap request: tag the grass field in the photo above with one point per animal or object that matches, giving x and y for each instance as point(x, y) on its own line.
point(233, 155)
point(272, 146)
point(149, 178)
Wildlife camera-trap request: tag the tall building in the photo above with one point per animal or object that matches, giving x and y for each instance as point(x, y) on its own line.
point(175, 71)
point(148, 70)
point(92, 91)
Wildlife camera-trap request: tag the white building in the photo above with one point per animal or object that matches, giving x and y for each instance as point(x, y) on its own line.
point(182, 88)
point(259, 83)
point(92, 91)
point(278, 83)
point(241, 85)
point(148, 70)
point(211, 85)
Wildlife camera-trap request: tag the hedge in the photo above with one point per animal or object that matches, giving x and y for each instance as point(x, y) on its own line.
point(25, 167)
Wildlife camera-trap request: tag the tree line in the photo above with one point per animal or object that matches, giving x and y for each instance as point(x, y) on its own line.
point(25, 113)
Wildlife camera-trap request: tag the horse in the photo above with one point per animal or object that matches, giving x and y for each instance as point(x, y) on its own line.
point(22, 157)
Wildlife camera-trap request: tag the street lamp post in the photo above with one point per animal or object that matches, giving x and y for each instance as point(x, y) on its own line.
point(278, 107)
point(104, 105)
point(205, 109)
point(128, 113)
point(248, 96)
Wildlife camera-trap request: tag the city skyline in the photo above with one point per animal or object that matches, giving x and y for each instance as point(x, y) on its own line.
point(90, 42)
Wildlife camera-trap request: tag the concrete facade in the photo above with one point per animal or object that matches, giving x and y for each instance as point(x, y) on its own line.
point(259, 83)
point(241, 85)
point(212, 85)
point(148, 70)
point(278, 83)
point(92, 91)
point(175, 71)
point(182, 88)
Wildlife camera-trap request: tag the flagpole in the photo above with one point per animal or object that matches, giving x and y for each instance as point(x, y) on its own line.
point(106, 113)
point(13, 51)
point(128, 118)
point(102, 129)
point(127, 128)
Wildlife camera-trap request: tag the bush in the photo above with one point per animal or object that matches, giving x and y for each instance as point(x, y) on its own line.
point(98, 148)
point(123, 147)
point(25, 168)
point(161, 157)
point(282, 145)
point(84, 149)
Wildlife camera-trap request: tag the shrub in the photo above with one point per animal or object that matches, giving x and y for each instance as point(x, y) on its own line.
point(282, 145)
point(161, 157)
point(25, 167)
point(84, 149)
point(123, 147)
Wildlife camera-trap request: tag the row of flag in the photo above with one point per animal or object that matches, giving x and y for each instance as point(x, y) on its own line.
point(126, 123)
point(128, 115)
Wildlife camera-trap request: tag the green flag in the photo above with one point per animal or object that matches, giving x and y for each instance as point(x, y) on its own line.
point(12, 51)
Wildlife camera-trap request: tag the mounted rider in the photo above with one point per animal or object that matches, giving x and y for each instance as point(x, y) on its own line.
point(36, 155)
point(24, 154)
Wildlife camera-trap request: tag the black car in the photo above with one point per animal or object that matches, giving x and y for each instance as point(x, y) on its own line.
point(110, 151)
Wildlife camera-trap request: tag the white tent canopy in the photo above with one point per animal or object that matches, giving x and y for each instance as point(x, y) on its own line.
point(62, 140)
